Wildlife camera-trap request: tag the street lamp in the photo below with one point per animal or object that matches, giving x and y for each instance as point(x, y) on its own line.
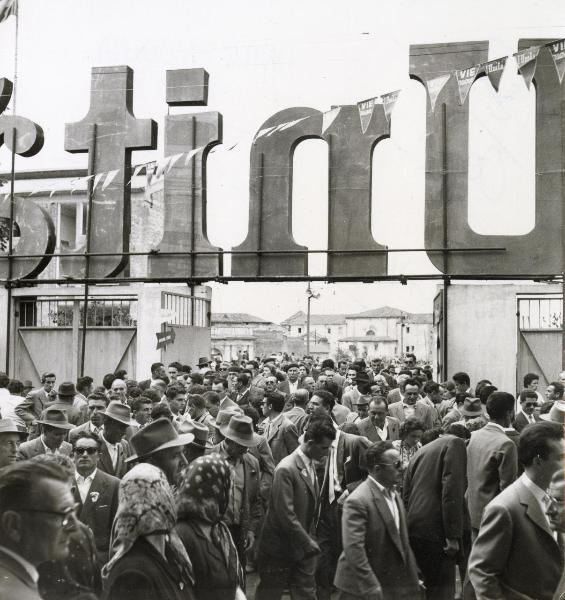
point(310, 294)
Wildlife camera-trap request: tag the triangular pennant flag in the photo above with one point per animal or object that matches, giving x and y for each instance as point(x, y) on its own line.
point(8, 8)
point(465, 79)
point(292, 123)
point(366, 108)
point(434, 87)
point(161, 166)
point(109, 178)
point(389, 100)
point(265, 131)
point(494, 69)
point(172, 160)
point(190, 154)
point(527, 60)
point(232, 147)
point(52, 193)
point(136, 170)
point(97, 179)
point(329, 117)
point(557, 50)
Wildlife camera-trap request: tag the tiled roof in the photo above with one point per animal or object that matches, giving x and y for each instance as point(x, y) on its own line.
point(236, 318)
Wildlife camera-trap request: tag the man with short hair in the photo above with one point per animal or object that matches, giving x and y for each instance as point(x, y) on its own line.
point(410, 405)
point(553, 393)
point(173, 371)
point(555, 512)
point(96, 492)
point(66, 395)
point(309, 384)
point(115, 449)
point(492, 458)
point(37, 519)
point(212, 400)
point(287, 550)
point(176, 399)
point(281, 433)
point(141, 412)
point(159, 444)
point(395, 394)
point(85, 387)
point(377, 561)
point(10, 397)
point(291, 383)
point(54, 429)
point(377, 426)
point(118, 391)
point(157, 373)
point(462, 383)
point(199, 414)
point(96, 407)
point(220, 386)
point(11, 436)
point(433, 492)
point(516, 554)
point(527, 414)
point(297, 414)
point(37, 400)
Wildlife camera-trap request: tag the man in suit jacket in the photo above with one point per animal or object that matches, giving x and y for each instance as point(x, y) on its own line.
point(36, 522)
point(287, 550)
point(115, 449)
point(411, 406)
point(434, 487)
point(280, 432)
point(297, 414)
point(528, 403)
point(37, 400)
point(291, 384)
point(97, 405)
point(378, 426)
point(377, 560)
point(492, 458)
point(516, 554)
point(96, 492)
point(244, 511)
point(54, 430)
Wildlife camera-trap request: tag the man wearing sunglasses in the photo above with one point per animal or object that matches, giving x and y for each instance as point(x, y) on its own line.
point(528, 403)
point(95, 492)
point(37, 517)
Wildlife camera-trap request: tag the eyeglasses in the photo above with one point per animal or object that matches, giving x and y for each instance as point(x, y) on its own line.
point(69, 515)
point(530, 404)
point(89, 450)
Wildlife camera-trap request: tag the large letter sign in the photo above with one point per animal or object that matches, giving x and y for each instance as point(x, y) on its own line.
point(447, 157)
point(110, 131)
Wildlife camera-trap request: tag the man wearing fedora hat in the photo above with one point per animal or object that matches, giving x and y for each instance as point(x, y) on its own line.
point(159, 444)
point(115, 449)
point(244, 510)
point(67, 400)
point(203, 364)
point(54, 429)
point(11, 436)
point(492, 457)
point(199, 444)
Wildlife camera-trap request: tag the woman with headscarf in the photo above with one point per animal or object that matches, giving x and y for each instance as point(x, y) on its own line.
point(202, 501)
point(150, 562)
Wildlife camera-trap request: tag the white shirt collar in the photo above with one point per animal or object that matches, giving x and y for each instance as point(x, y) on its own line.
point(26, 565)
point(81, 479)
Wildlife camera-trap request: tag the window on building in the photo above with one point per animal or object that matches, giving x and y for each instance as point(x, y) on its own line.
point(412, 348)
point(407, 329)
point(370, 332)
point(407, 348)
point(329, 329)
point(300, 330)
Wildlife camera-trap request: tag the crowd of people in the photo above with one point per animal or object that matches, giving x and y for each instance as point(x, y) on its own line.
point(356, 480)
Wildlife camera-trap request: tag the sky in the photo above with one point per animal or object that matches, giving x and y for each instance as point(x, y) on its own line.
point(264, 56)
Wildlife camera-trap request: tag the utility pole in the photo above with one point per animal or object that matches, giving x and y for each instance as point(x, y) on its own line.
point(309, 294)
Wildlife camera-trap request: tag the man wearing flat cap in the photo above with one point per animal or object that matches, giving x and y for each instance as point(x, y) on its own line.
point(11, 436)
point(159, 444)
point(54, 427)
point(115, 449)
point(244, 509)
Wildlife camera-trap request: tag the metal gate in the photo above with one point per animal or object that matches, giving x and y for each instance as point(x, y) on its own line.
point(49, 335)
point(540, 324)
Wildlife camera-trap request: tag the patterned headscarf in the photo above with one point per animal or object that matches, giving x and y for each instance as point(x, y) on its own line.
point(203, 494)
point(146, 506)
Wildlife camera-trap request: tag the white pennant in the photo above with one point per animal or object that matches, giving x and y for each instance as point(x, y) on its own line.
point(109, 178)
point(97, 179)
point(527, 61)
point(292, 123)
point(389, 100)
point(366, 108)
point(557, 50)
point(190, 154)
point(173, 159)
point(329, 117)
point(465, 79)
point(434, 87)
point(265, 131)
point(161, 166)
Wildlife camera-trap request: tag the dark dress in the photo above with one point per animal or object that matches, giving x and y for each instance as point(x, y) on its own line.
point(213, 579)
point(143, 574)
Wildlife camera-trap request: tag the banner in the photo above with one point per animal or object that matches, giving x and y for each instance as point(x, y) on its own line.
point(527, 60)
point(557, 50)
point(494, 70)
point(465, 79)
point(389, 100)
point(329, 117)
point(366, 108)
point(434, 87)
